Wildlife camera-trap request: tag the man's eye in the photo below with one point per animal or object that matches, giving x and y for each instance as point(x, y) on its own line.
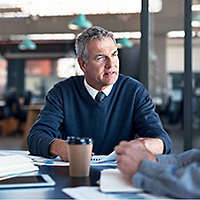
point(100, 58)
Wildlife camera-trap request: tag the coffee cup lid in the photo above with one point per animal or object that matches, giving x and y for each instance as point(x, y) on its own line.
point(78, 140)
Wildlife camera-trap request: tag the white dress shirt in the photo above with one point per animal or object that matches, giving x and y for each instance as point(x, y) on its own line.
point(93, 92)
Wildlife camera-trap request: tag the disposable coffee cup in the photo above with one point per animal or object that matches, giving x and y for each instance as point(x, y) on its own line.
point(79, 154)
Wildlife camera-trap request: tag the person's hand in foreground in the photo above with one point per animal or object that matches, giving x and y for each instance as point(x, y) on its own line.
point(130, 155)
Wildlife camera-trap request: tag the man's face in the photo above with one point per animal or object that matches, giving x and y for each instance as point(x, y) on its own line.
point(103, 64)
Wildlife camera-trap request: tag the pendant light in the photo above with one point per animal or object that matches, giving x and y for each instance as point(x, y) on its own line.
point(79, 22)
point(27, 44)
point(124, 42)
point(1, 57)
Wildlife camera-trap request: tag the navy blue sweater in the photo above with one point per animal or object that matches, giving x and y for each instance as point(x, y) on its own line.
point(70, 111)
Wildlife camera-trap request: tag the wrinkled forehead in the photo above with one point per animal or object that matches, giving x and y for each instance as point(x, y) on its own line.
point(99, 46)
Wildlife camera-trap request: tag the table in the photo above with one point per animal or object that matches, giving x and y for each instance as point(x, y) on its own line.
point(62, 179)
point(60, 174)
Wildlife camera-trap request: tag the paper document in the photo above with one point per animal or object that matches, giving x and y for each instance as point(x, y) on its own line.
point(87, 192)
point(38, 160)
point(112, 180)
point(15, 164)
point(13, 152)
point(109, 160)
point(100, 160)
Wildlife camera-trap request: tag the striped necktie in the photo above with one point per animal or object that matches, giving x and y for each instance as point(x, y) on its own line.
point(100, 96)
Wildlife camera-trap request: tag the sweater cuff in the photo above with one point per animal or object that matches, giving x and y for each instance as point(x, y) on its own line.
point(137, 180)
point(44, 144)
point(150, 168)
point(49, 145)
point(166, 159)
point(167, 144)
point(147, 168)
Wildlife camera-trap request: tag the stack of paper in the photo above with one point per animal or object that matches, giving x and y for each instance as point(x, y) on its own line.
point(99, 160)
point(109, 160)
point(38, 160)
point(15, 164)
point(112, 180)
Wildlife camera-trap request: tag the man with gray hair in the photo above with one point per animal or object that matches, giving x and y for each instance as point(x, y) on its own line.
point(103, 105)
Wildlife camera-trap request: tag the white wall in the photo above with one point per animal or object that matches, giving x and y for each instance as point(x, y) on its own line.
point(175, 55)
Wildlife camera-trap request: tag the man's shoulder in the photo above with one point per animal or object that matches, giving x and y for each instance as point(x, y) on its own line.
point(130, 85)
point(69, 82)
point(130, 81)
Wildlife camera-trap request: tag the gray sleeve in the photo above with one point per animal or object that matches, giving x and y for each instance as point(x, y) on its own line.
point(170, 180)
point(180, 159)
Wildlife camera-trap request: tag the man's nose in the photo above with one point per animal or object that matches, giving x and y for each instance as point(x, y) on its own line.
point(109, 62)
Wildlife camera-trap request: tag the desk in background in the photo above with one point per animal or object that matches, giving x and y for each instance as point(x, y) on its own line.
point(8, 124)
point(32, 112)
point(2, 104)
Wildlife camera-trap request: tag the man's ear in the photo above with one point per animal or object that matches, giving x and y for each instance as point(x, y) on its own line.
point(82, 64)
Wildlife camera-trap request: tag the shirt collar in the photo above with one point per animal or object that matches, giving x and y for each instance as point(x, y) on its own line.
point(93, 92)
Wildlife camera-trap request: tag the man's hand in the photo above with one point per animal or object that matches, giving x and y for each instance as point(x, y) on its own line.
point(130, 155)
point(59, 148)
point(154, 145)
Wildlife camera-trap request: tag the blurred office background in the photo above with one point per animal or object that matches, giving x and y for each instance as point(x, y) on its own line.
point(37, 50)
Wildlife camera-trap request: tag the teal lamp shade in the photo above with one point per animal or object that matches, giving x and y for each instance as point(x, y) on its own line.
point(124, 42)
point(1, 58)
point(79, 22)
point(27, 44)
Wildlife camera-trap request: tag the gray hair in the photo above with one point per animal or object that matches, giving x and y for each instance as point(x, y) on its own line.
point(94, 32)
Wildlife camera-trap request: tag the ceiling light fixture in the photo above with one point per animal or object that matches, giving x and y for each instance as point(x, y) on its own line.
point(178, 34)
point(1, 57)
point(27, 44)
point(196, 7)
point(124, 42)
point(79, 22)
